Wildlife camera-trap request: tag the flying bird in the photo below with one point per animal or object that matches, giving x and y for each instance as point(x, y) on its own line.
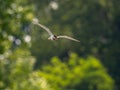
point(51, 35)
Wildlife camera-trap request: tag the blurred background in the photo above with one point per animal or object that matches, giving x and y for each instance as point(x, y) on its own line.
point(29, 61)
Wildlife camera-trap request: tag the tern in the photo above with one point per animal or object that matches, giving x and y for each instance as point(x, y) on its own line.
point(51, 35)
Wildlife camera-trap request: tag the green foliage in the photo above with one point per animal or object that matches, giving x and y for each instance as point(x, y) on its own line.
point(14, 18)
point(16, 61)
point(77, 74)
point(16, 73)
point(96, 23)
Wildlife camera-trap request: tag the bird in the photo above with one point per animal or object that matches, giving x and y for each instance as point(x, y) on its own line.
point(51, 35)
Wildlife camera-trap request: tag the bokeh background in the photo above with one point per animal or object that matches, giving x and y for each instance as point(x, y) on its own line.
point(29, 61)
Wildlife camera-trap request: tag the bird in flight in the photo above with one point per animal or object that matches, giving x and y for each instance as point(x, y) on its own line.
point(52, 36)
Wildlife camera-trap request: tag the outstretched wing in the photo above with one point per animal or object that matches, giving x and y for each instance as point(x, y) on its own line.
point(67, 37)
point(35, 21)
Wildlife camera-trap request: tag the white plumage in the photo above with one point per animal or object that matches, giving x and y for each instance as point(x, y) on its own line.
point(52, 36)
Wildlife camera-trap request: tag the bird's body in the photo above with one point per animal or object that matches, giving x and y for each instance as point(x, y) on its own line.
point(52, 36)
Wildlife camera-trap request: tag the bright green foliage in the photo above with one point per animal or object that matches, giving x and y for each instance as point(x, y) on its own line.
point(14, 19)
point(16, 73)
point(77, 74)
point(16, 62)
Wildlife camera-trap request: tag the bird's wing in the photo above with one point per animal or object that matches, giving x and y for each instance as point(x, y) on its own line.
point(67, 37)
point(42, 26)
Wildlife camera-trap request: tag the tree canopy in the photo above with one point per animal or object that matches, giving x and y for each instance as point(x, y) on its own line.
point(29, 61)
